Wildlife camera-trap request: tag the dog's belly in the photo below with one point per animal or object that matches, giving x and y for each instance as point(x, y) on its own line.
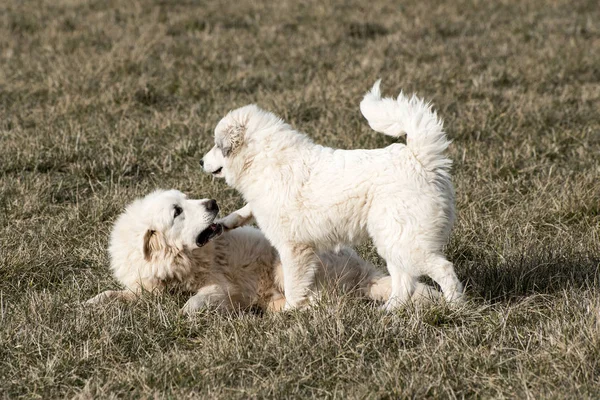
point(339, 224)
point(321, 224)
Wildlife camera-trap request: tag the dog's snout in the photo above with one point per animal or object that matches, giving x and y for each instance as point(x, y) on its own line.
point(211, 205)
point(201, 162)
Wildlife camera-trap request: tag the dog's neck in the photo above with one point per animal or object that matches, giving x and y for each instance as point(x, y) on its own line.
point(287, 159)
point(188, 269)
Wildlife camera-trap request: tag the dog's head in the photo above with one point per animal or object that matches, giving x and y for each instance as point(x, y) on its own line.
point(236, 138)
point(177, 221)
point(155, 229)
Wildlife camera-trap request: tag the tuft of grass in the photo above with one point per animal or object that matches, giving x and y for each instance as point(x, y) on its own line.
point(101, 102)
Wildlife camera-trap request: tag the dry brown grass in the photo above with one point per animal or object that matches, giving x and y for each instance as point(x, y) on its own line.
point(102, 101)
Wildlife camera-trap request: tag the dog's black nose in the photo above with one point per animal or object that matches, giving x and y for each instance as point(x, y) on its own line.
point(202, 163)
point(212, 205)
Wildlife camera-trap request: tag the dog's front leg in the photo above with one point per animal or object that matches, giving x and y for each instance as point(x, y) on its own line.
point(299, 264)
point(211, 296)
point(238, 218)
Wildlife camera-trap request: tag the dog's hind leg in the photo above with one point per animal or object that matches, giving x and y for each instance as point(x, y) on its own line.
point(299, 265)
point(402, 264)
point(442, 272)
point(403, 287)
point(212, 296)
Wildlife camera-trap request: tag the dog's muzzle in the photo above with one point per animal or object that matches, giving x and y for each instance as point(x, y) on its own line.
point(213, 231)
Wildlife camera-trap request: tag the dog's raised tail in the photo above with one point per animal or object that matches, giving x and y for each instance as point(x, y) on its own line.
point(412, 117)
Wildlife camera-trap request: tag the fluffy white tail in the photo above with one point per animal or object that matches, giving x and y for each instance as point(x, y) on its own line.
point(413, 117)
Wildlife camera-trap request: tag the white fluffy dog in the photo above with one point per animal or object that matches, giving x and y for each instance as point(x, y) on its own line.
point(165, 241)
point(307, 197)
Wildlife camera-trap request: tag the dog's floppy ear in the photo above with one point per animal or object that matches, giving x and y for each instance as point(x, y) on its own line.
point(151, 243)
point(232, 138)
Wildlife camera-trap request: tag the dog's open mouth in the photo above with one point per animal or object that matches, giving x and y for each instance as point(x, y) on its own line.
point(208, 234)
point(217, 171)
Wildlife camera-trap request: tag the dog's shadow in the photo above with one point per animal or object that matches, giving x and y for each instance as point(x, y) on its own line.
point(536, 271)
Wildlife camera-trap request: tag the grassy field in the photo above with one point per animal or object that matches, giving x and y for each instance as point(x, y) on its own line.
point(103, 101)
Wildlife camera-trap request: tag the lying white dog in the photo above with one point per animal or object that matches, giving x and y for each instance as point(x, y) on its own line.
point(166, 241)
point(306, 197)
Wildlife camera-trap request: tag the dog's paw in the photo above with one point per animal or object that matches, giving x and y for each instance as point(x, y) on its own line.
point(301, 304)
point(193, 305)
point(102, 297)
point(238, 218)
point(99, 298)
point(394, 303)
point(456, 300)
point(227, 225)
point(230, 222)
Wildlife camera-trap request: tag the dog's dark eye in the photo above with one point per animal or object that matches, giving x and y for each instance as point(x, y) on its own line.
point(178, 211)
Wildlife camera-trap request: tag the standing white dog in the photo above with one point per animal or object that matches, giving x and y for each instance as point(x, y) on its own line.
point(307, 197)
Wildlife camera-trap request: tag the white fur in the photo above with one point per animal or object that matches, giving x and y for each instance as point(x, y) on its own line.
point(307, 197)
point(235, 270)
point(155, 212)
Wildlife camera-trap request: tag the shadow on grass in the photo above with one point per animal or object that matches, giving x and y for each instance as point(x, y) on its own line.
point(536, 271)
